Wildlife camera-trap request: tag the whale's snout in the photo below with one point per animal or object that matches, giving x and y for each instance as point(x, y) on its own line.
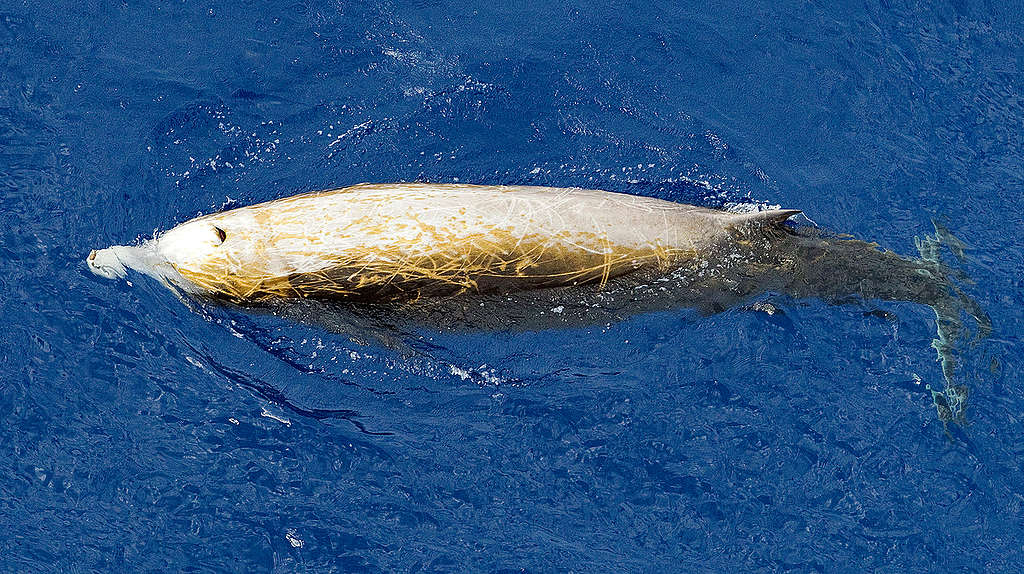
point(115, 261)
point(106, 263)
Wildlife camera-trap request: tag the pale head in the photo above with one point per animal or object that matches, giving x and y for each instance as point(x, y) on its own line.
point(193, 245)
point(170, 257)
point(224, 254)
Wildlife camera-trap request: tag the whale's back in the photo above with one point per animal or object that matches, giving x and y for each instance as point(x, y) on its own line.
point(404, 241)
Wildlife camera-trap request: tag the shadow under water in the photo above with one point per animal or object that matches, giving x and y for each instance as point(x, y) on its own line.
point(798, 262)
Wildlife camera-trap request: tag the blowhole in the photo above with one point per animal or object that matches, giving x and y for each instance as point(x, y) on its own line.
point(220, 233)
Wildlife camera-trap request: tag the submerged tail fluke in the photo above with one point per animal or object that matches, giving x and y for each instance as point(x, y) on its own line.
point(951, 328)
point(838, 269)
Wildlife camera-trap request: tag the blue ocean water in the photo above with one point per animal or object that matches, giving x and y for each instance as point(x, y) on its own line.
point(143, 433)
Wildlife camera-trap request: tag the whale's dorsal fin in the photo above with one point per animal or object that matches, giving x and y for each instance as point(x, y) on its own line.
point(755, 218)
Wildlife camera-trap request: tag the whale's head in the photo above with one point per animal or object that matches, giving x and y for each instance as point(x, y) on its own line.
point(228, 255)
point(192, 246)
point(221, 255)
point(196, 245)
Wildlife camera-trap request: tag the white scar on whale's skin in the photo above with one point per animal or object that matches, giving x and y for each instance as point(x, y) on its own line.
point(403, 241)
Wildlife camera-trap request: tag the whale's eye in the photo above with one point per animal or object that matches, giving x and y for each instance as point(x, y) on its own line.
point(220, 233)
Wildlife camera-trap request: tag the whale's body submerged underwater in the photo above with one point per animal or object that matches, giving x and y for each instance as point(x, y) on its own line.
point(436, 253)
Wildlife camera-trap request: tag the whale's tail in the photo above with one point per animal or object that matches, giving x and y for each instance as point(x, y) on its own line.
point(950, 326)
point(840, 270)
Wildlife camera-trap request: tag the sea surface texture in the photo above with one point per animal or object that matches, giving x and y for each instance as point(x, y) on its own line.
point(140, 432)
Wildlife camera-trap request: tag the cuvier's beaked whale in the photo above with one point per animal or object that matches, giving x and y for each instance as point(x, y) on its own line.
point(417, 246)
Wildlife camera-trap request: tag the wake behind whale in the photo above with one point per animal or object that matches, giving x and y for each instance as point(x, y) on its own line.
point(531, 258)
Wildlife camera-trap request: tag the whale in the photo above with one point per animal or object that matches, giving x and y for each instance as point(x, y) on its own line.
point(532, 257)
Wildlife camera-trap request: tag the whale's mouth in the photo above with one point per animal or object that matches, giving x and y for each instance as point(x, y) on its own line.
point(106, 263)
